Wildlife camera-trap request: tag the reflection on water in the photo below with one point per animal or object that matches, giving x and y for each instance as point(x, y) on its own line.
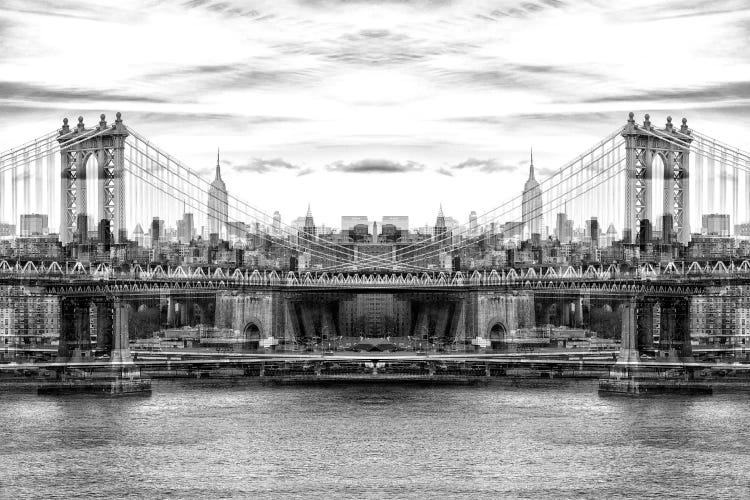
point(210, 441)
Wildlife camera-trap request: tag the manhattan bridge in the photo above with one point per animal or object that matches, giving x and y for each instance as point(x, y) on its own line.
point(671, 292)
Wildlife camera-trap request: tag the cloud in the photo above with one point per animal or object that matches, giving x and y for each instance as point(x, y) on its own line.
point(718, 92)
point(378, 47)
point(261, 166)
point(18, 91)
point(488, 166)
point(375, 166)
point(239, 76)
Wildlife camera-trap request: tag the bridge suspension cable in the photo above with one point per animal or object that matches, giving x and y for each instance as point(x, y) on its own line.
point(201, 185)
point(559, 201)
point(515, 203)
point(197, 204)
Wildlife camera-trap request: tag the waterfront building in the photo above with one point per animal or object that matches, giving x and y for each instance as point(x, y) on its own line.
point(29, 322)
point(34, 225)
point(721, 318)
point(531, 205)
point(218, 205)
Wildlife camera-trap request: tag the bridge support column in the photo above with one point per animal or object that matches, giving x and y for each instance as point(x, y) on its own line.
point(121, 337)
point(579, 312)
point(170, 311)
point(183, 312)
point(629, 341)
point(675, 328)
point(104, 312)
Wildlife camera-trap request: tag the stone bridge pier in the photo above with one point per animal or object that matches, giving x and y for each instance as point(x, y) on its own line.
point(91, 326)
point(269, 318)
point(658, 326)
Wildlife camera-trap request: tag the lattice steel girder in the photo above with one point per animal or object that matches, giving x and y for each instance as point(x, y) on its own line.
point(642, 144)
point(106, 144)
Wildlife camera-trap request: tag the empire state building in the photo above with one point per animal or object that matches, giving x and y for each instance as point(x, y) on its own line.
point(218, 206)
point(531, 206)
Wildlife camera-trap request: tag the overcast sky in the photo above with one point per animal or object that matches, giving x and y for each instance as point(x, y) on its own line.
point(374, 108)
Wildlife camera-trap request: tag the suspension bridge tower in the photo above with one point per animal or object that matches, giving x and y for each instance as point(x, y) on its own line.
point(107, 145)
point(642, 145)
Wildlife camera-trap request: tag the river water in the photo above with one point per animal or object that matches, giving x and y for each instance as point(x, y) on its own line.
point(554, 440)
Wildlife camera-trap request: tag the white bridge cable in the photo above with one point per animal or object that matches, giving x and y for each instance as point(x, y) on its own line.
point(518, 200)
point(344, 255)
point(169, 190)
point(240, 206)
point(565, 197)
point(697, 145)
point(562, 199)
point(173, 192)
point(51, 148)
point(484, 217)
point(200, 206)
point(28, 145)
point(559, 172)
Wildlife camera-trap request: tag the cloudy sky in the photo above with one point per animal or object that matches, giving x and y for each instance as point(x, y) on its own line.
point(374, 108)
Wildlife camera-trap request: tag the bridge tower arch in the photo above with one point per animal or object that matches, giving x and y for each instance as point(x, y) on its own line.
point(107, 145)
point(252, 333)
point(642, 145)
point(497, 333)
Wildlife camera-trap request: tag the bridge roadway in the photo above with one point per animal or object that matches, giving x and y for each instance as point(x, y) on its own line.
point(180, 359)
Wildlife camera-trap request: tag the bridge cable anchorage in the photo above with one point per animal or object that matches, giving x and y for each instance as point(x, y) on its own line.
point(466, 227)
point(565, 196)
point(344, 255)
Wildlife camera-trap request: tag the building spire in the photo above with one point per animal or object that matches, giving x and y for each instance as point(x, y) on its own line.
point(531, 165)
point(218, 168)
point(309, 212)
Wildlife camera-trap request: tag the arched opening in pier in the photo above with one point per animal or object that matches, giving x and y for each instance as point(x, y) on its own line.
point(252, 336)
point(497, 336)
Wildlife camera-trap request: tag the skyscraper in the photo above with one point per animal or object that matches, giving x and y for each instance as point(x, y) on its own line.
point(473, 227)
point(218, 206)
point(562, 228)
point(531, 206)
point(309, 227)
point(34, 225)
point(276, 223)
point(440, 227)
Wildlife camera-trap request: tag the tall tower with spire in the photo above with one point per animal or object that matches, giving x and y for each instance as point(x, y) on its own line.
point(218, 205)
point(309, 223)
point(440, 228)
point(531, 206)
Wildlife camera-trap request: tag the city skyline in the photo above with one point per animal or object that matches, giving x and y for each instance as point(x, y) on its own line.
point(433, 98)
